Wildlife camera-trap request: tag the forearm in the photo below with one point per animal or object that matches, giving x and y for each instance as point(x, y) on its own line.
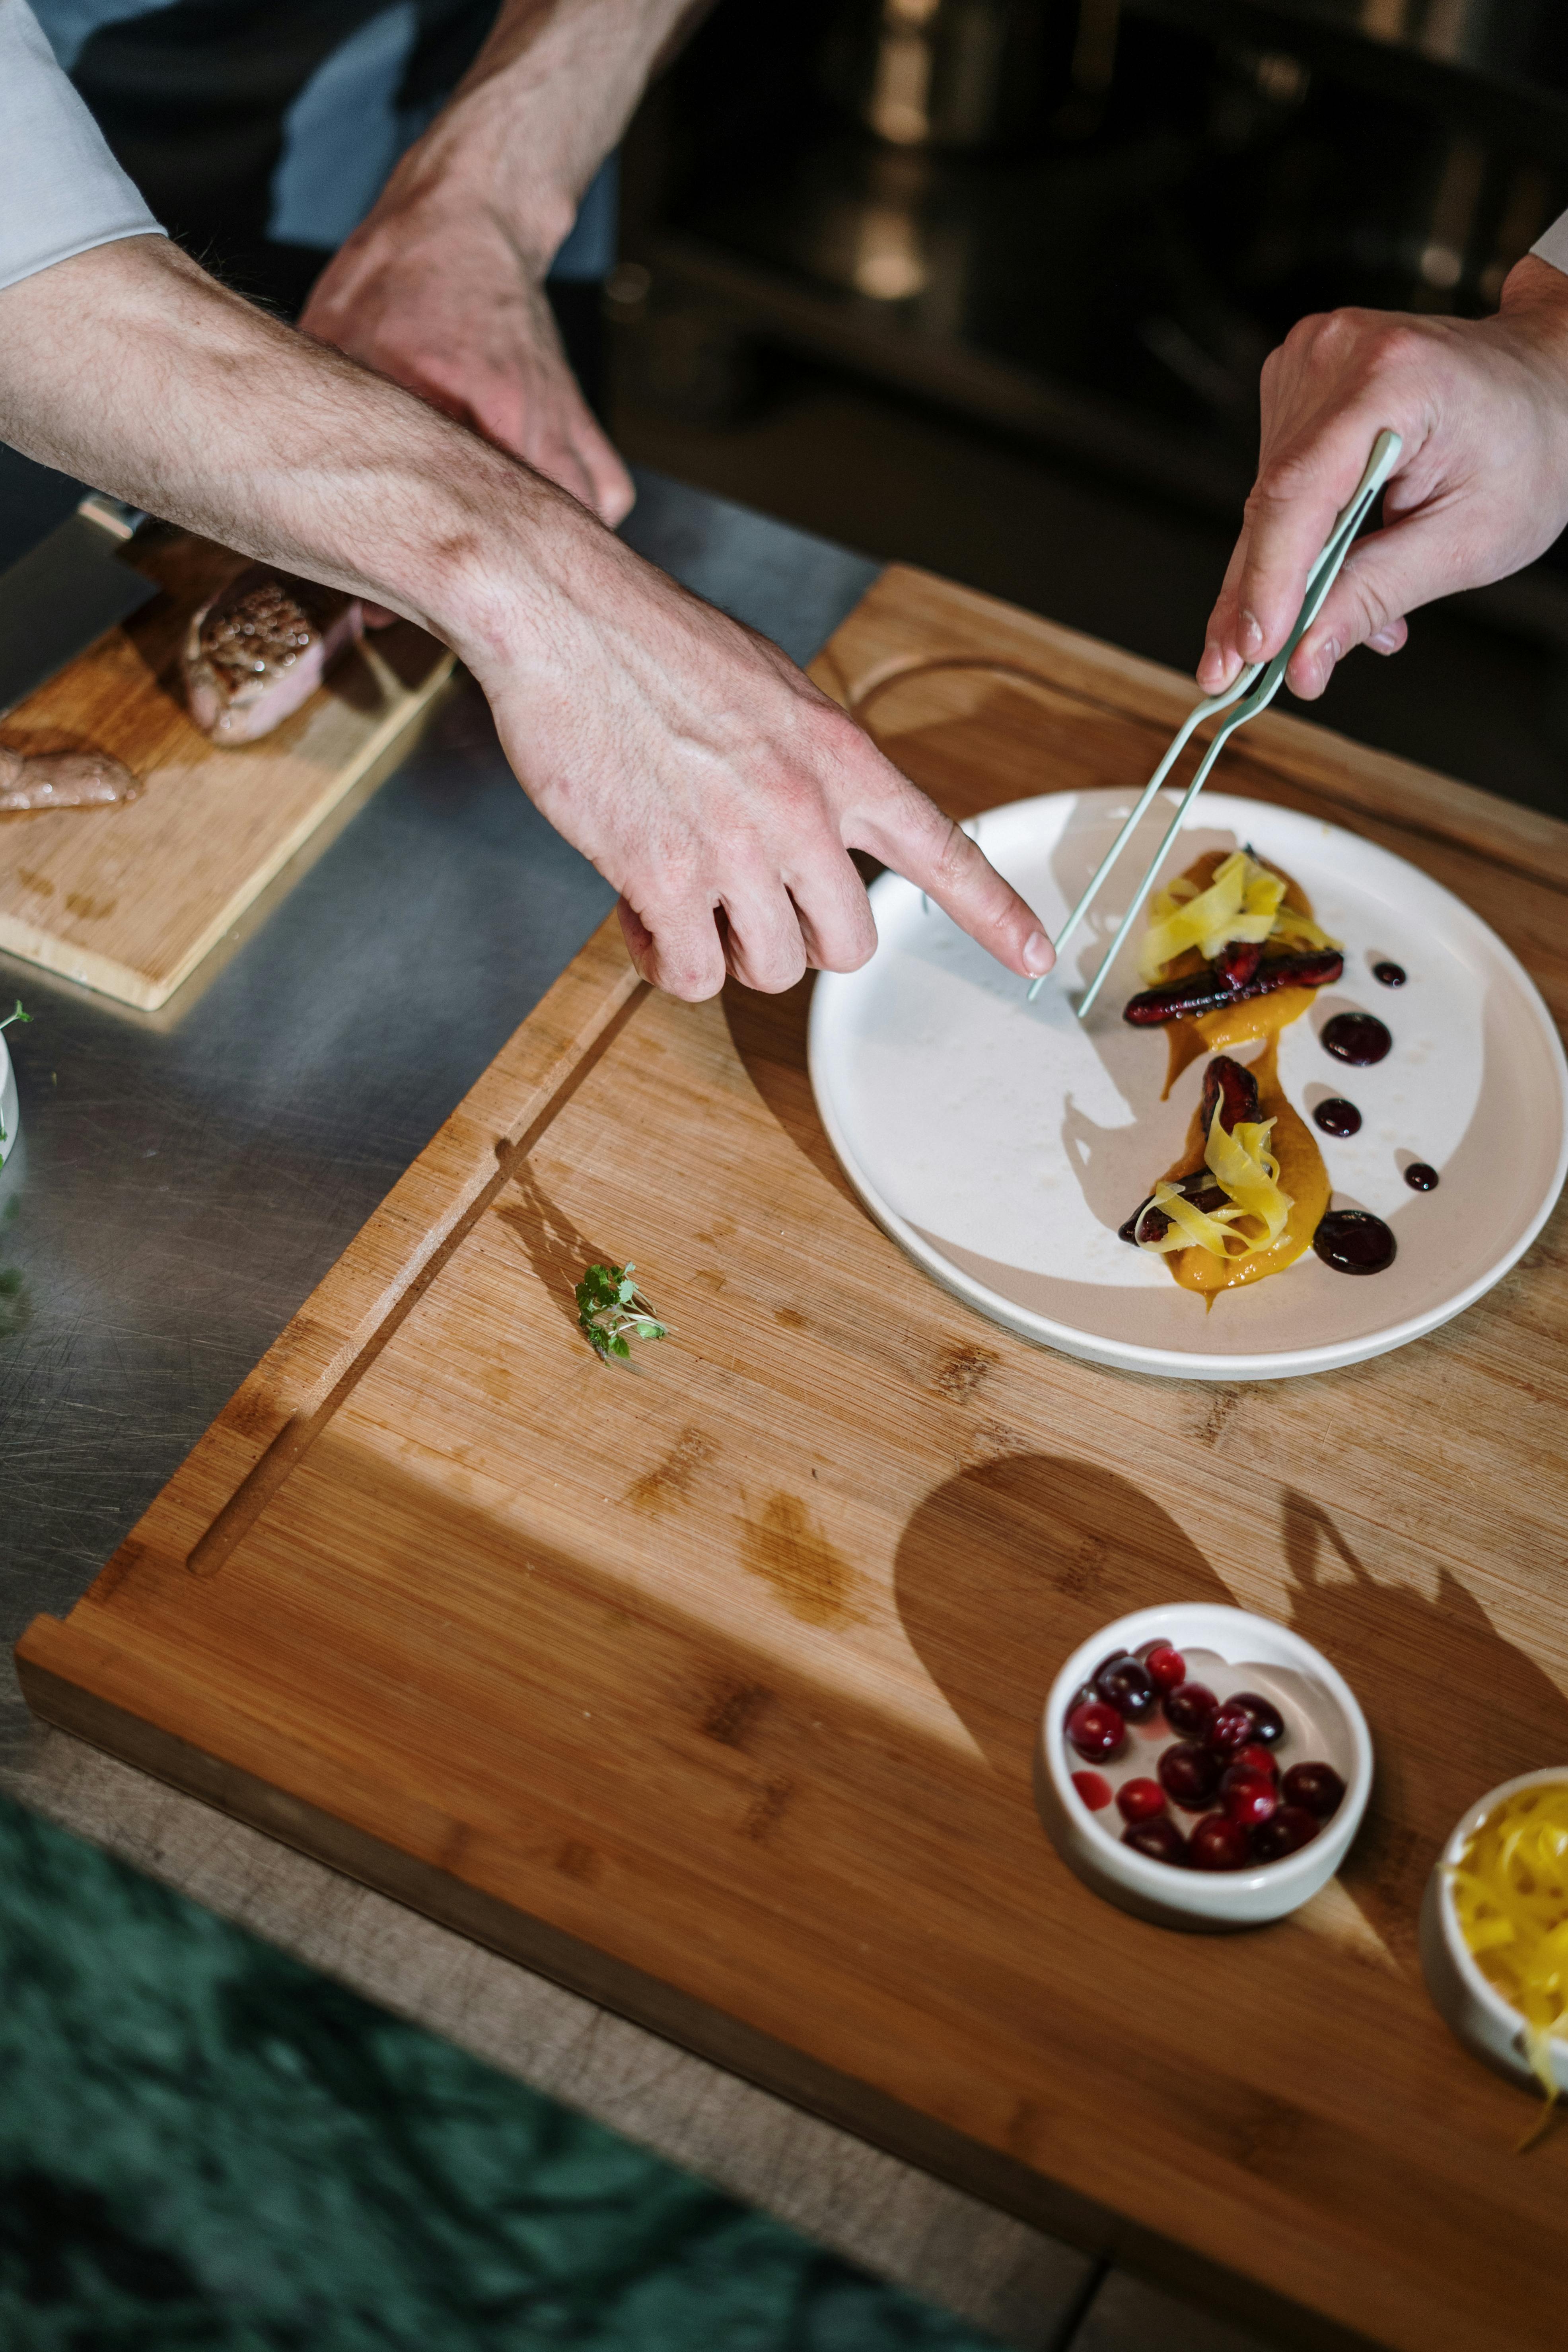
point(132, 369)
point(545, 101)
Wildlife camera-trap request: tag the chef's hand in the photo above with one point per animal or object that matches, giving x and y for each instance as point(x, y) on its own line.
point(713, 784)
point(1481, 487)
point(708, 779)
point(439, 297)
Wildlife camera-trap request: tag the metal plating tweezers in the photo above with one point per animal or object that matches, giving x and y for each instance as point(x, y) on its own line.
point(1253, 691)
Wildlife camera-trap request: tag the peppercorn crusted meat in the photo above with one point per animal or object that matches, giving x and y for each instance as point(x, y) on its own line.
point(260, 648)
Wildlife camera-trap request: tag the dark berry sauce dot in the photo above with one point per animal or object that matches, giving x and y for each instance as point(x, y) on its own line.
point(1337, 1117)
point(1352, 1241)
point(1392, 974)
point(1359, 1038)
point(1420, 1177)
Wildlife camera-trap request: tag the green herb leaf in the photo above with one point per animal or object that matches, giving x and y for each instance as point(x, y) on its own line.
point(17, 1016)
point(609, 1307)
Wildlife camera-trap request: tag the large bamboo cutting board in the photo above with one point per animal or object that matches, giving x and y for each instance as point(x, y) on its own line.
point(128, 900)
point(711, 1687)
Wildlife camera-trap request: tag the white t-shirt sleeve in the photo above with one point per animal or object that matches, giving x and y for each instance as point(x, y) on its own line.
point(62, 191)
point(1553, 245)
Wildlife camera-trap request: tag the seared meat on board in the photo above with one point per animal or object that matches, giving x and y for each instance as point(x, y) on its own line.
point(31, 781)
point(257, 650)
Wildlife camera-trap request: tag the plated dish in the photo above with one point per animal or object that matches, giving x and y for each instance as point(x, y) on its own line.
point(1008, 1147)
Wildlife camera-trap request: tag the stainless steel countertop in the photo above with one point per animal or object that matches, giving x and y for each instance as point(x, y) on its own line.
point(182, 1181)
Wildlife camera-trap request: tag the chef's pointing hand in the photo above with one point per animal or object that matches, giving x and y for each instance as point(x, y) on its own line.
point(718, 789)
point(1481, 488)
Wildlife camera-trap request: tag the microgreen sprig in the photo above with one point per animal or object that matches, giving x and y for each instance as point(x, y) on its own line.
point(611, 1309)
point(17, 1016)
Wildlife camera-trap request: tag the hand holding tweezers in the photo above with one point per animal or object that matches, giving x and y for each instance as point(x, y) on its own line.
point(1249, 693)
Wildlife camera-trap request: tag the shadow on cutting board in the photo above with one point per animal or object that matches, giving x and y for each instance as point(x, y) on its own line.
point(1007, 1567)
point(1454, 1708)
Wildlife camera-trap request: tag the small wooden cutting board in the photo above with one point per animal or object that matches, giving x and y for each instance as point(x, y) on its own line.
point(711, 1687)
point(128, 900)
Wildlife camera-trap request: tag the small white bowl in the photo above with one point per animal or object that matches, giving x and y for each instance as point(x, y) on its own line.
point(1467, 2003)
point(10, 1105)
point(1194, 1898)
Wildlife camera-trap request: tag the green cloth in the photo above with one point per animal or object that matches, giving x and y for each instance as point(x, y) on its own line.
point(205, 2144)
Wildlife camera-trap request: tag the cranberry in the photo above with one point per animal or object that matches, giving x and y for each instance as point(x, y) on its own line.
point(1217, 1844)
point(1230, 1730)
point(1096, 1730)
point(1257, 1759)
point(1267, 1723)
point(1166, 1668)
point(1160, 1839)
point(1094, 1789)
point(1123, 1683)
point(1139, 1801)
point(1189, 1774)
point(1190, 1709)
point(1285, 1832)
point(1316, 1786)
point(1248, 1797)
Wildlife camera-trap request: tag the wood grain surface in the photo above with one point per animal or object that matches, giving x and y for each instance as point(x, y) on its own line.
point(711, 1687)
point(128, 900)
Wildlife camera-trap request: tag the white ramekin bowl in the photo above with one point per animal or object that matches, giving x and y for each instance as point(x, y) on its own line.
point(1467, 2003)
point(10, 1106)
point(1194, 1898)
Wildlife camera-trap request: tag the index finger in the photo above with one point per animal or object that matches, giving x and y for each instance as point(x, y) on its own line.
point(910, 834)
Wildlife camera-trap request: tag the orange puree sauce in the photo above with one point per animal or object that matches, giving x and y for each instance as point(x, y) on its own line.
point(1302, 1170)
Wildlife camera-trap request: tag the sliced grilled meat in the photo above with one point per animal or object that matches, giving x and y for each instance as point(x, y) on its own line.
point(1207, 991)
point(257, 650)
point(33, 781)
point(1230, 1088)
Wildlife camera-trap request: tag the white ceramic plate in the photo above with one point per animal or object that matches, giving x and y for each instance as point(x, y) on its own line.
point(1002, 1143)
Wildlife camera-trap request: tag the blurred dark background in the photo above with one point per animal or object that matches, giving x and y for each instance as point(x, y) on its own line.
point(986, 285)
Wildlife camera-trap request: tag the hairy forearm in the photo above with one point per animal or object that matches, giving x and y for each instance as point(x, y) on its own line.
point(543, 103)
point(130, 368)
